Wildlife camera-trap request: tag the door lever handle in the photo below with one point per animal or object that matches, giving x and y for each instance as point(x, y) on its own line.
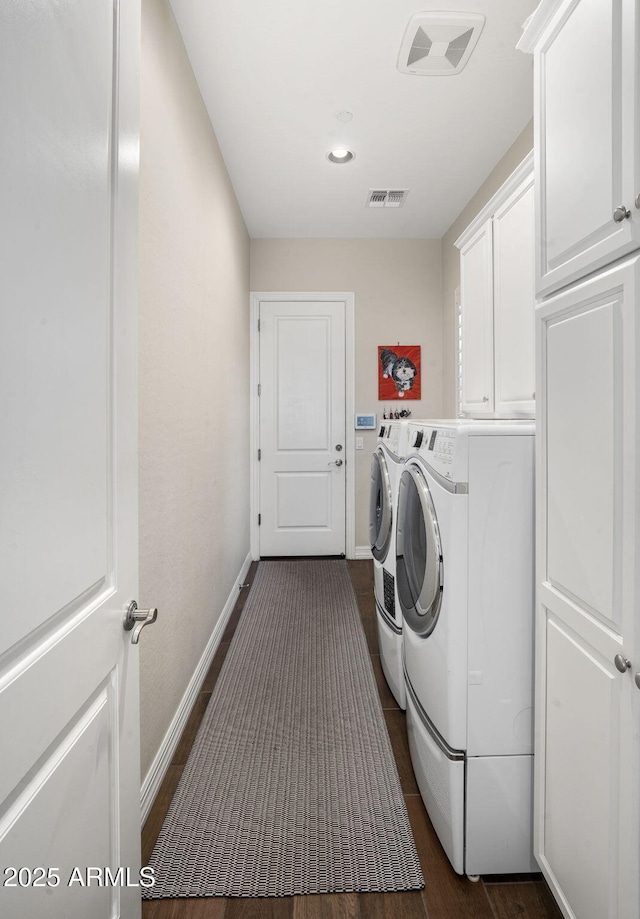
point(136, 619)
point(337, 462)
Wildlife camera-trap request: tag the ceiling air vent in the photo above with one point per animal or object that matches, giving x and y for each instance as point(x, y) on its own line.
point(439, 43)
point(384, 197)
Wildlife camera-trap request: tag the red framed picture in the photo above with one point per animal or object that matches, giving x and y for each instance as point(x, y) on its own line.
point(399, 374)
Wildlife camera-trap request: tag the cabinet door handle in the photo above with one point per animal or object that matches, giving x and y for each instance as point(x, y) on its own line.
point(621, 213)
point(485, 398)
point(622, 663)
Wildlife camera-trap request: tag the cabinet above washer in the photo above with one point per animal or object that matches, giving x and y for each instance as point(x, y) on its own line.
point(587, 124)
point(498, 303)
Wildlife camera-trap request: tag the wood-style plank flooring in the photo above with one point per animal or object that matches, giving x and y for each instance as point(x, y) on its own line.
point(446, 894)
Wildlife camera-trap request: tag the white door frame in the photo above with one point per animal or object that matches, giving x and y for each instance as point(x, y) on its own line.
point(258, 297)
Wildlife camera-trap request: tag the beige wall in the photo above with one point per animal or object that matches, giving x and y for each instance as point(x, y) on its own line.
point(451, 260)
point(194, 368)
point(397, 286)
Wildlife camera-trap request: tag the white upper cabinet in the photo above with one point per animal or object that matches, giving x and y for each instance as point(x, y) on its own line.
point(587, 119)
point(513, 303)
point(476, 290)
point(497, 298)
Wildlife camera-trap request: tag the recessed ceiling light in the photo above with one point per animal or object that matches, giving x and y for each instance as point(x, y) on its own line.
point(340, 156)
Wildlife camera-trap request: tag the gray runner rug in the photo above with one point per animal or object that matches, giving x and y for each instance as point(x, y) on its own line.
point(291, 786)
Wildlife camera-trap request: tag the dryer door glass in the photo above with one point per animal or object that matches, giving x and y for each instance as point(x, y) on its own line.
point(380, 507)
point(419, 555)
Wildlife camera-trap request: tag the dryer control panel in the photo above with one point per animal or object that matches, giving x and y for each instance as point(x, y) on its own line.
point(392, 435)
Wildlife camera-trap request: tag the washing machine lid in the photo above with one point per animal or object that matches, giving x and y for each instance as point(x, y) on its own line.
point(419, 562)
point(380, 506)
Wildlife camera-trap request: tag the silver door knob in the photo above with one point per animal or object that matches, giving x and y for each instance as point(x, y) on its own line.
point(637, 679)
point(621, 213)
point(485, 398)
point(638, 201)
point(622, 663)
point(337, 462)
point(136, 619)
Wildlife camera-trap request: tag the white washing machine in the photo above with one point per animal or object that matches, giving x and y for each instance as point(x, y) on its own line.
point(386, 468)
point(465, 562)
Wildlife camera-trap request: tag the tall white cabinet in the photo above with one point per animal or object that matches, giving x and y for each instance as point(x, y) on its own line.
point(497, 302)
point(587, 754)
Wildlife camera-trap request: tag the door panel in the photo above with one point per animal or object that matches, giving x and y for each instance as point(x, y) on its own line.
point(304, 380)
point(584, 401)
point(34, 840)
point(302, 428)
point(69, 777)
point(303, 499)
point(583, 718)
point(56, 261)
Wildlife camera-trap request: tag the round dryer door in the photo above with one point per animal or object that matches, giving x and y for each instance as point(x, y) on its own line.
point(380, 507)
point(419, 553)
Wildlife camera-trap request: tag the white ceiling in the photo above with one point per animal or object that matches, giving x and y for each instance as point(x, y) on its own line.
point(274, 74)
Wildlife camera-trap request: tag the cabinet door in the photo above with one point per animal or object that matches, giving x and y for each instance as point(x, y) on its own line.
point(587, 795)
point(476, 287)
point(514, 304)
point(586, 85)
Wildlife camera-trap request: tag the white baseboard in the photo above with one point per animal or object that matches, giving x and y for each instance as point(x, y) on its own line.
point(155, 775)
point(363, 552)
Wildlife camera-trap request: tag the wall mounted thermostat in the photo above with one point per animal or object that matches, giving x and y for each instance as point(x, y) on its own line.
point(365, 422)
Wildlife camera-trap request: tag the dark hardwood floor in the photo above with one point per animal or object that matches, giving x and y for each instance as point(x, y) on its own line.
point(446, 895)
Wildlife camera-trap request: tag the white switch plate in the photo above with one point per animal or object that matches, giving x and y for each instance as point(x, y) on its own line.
point(359, 443)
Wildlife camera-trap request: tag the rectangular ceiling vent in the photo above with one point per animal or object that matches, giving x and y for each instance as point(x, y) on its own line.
point(387, 197)
point(439, 43)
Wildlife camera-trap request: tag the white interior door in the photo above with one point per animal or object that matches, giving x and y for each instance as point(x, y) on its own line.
point(302, 428)
point(587, 797)
point(69, 770)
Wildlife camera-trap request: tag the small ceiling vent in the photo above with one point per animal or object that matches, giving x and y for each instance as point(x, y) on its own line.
point(384, 197)
point(439, 43)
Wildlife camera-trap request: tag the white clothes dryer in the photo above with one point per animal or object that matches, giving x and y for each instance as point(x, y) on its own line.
point(386, 467)
point(465, 561)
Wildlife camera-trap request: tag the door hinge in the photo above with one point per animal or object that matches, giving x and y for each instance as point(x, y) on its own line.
point(259, 455)
point(259, 389)
point(259, 519)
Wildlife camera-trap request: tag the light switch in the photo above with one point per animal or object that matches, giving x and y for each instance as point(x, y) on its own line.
point(359, 443)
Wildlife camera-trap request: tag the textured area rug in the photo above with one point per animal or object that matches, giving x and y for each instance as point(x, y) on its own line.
point(291, 786)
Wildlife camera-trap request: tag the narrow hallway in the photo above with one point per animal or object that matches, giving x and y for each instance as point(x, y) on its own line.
point(446, 895)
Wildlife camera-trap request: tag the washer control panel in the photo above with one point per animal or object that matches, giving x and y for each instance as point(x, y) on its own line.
point(436, 446)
